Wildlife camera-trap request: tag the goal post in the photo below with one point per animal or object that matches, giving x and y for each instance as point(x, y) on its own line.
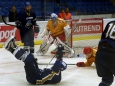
point(87, 32)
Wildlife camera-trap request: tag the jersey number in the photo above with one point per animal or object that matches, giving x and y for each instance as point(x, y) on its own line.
point(111, 31)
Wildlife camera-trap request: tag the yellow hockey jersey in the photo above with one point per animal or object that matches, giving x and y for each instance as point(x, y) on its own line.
point(91, 59)
point(56, 28)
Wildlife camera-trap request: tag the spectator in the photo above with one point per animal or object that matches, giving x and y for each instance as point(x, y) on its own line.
point(62, 14)
point(67, 14)
point(13, 14)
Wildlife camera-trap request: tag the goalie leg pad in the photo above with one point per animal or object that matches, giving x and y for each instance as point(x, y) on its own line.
point(43, 48)
point(58, 41)
point(48, 39)
point(44, 32)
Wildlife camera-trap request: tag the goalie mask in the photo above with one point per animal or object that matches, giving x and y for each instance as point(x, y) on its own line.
point(53, 16)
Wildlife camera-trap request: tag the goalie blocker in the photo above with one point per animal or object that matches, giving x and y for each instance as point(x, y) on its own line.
point(34, 74)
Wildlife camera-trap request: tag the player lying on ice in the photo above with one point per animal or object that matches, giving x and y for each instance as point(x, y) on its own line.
point(34, 74)
point(57, 30)
point(90, 57)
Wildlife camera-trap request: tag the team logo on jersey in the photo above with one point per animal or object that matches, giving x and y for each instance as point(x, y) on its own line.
point(29, 18)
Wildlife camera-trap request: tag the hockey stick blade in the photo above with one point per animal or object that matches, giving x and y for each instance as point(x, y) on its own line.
point(5, 22)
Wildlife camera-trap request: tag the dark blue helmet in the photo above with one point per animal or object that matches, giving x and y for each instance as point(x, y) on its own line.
point(27, 4)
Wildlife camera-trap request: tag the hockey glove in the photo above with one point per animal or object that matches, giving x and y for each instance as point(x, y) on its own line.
point(59, 65)
point(63, 66)
point(80, 64)
point(36, 28)
point(18, 24)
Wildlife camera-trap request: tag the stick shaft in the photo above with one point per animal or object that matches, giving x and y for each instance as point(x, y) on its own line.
point(49, 62)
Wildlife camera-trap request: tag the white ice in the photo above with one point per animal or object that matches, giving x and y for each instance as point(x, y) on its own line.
point(12, 71)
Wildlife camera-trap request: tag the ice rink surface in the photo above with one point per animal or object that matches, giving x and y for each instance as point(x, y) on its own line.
point(12, 71)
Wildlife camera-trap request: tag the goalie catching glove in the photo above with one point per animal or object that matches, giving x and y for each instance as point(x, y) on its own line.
point(67, 30)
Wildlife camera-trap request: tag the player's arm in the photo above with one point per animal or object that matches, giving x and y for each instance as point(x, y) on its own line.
point(36, 26)
point(89, 62)
point(19, 21)
point(67, 29)
point(86, 64)
point(106, 29)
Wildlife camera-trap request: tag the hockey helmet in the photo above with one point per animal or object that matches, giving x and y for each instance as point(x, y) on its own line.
point(87, 50)
point(54, 16)
point(27, 4)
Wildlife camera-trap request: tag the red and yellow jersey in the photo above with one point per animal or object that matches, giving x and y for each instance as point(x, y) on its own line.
point(56, 29)
point(91, 59)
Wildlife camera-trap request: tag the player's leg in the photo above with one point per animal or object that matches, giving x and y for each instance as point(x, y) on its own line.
point(62, 37)
point(31, 41)
point(26, 41)
point(102, 68)
point(31, 69)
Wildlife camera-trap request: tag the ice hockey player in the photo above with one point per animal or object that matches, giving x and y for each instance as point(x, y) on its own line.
point(25, 23)
point(34, 74)
point(57, 31)
point(105, 56)
point(90, 56)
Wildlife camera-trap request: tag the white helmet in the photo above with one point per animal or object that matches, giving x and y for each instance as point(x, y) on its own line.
point(54, 16)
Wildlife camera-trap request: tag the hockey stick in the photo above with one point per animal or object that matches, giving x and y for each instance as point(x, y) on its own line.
point(6, 22)
point(49, 62)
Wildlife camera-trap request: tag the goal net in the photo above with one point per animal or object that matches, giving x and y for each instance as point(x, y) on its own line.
point(85, 32)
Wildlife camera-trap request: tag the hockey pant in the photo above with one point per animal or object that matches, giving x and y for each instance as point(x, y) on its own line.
point(28, 40)
point(105, 65)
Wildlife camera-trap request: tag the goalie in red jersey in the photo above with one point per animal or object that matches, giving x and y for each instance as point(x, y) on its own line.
point(56, 31)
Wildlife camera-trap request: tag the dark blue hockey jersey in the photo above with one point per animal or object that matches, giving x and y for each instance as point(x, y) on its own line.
point(109, 34)
point(27, 20)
